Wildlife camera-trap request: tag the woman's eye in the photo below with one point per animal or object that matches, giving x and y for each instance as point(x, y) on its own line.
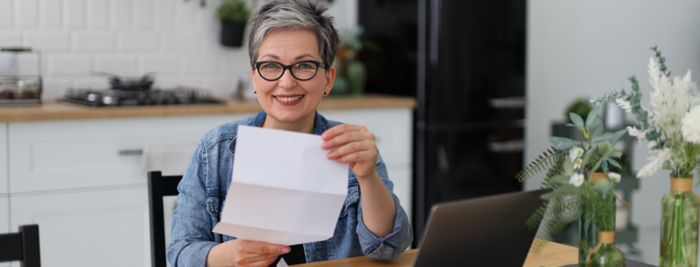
point(269, 66)
point(305, 66)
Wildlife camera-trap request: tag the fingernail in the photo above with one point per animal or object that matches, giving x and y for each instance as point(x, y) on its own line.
point(285, 250)
point(331, 155)
point(324, 145)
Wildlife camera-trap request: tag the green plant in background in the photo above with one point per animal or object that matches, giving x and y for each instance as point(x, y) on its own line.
point(569, 166)
point(579, 106)
point(671, 126)
point(233, 11)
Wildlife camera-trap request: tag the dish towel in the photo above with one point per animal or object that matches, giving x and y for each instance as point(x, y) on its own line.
point(170, 160)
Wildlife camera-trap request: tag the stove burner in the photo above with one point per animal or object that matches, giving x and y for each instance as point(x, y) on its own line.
point(107, 98)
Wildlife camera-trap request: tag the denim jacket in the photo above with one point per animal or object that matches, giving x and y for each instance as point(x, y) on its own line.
point(203, 189)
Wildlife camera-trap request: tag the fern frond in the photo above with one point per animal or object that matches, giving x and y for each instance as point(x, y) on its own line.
point(544, 161)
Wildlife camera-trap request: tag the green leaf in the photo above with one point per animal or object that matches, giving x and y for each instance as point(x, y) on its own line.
point(571, 125)
point(568, 167)
point(614, 162)
point(561, 143)
point(560, 180)
point(576, 119)
point(597, 128)
point(604, 137)
point(615, 154)
point(605, 148)
point(592, 116)
point(617, 135)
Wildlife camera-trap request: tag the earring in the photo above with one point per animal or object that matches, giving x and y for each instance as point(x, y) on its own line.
point(255, 92)
point(324, 93)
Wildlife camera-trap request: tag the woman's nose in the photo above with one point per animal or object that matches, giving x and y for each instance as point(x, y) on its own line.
point(287, 81)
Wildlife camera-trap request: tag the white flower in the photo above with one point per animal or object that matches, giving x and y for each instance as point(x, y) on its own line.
point(577, 163)
point(576, 179)
point(637, 132)
point(655, 162)
point(651, 144)
point(614, 177)
point(624, 104)
point(691, 125)
point(575, 152)
point(669, 101)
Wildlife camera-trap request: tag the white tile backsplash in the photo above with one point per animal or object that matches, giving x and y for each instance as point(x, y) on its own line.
point(161, 64)
point(10, 38)
point(26, 12)
point(75, 13)
point(177, 39)
point(98, 14)
point(138, 41)
point(121, 13)
point(6, 14)
point(48, 41)
point(94, 41)
point(69, 65)
point(181, 41)
point(123, 65)
point(143, 14)
point(51, 14)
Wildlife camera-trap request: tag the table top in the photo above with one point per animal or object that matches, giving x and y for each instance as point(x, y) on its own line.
point(553, 254)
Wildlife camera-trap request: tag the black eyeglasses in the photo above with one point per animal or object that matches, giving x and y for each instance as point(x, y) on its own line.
point(302, 70)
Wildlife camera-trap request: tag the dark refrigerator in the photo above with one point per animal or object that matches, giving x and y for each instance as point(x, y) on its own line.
point(464, 61)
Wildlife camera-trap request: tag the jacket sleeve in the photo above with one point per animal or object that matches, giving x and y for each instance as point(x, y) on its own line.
point(392, 245)
point(191, 236)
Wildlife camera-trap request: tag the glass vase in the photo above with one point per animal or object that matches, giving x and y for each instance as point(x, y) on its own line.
point(606, 254)
point(588, 231)
point(679, 225)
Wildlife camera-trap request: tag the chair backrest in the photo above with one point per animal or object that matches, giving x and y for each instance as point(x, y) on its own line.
point(22, 246)
point(159, 186)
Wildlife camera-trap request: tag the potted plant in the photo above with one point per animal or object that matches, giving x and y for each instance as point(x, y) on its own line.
point(234, 15)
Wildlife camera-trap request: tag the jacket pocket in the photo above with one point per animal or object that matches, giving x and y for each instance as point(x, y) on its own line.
point(213, 204)
point(351, 200)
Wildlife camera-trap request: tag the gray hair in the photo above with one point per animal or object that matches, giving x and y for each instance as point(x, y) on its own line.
point(293, 15)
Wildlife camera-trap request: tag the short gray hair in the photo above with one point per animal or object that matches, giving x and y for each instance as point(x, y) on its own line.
point(293, 15)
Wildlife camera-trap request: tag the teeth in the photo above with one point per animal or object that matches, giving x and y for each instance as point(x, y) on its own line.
point(289, 99)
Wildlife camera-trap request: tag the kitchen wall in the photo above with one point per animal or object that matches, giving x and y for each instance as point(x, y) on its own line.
point(178, 39)
point(588, 48)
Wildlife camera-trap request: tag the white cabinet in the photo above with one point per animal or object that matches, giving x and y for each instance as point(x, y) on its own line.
point(91, 228)
point(53, 155)
point(3, 159)
point(394, 137)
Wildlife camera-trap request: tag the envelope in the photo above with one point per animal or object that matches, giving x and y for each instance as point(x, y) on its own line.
point(284, 190)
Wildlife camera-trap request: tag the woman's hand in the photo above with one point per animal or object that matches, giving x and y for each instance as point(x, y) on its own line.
point(244, 253)
point(355, 145)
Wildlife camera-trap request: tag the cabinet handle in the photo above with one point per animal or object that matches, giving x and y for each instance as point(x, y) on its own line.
point(130, 152)
point(507, 146)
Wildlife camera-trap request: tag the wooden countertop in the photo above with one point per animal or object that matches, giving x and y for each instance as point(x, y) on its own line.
point(68, 111)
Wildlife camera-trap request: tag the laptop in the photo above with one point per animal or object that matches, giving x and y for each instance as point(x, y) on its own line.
point(488, 231)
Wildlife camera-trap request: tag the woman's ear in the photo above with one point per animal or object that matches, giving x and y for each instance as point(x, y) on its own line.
point(330, 79)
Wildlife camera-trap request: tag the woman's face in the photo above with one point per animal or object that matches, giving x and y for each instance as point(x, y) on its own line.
point(288, 102)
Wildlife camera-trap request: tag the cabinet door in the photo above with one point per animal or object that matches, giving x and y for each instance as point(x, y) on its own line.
point(52, 155)
point(96, 228)
point(3, 158)
point(392, 128)
point(401, 176)
point(4, 215)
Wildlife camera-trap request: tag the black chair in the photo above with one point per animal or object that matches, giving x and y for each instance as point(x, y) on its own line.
point(159, 186)
point(22, 246)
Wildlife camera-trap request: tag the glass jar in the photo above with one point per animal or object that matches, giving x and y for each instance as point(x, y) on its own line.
point(679, 225)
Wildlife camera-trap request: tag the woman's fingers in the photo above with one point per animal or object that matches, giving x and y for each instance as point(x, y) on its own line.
point(255, 253)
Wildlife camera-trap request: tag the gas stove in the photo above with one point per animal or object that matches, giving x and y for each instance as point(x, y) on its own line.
point(150, 97)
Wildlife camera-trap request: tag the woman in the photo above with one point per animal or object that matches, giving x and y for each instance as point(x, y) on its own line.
point(292, 45)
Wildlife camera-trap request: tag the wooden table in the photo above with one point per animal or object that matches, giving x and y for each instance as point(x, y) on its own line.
point(553, 254)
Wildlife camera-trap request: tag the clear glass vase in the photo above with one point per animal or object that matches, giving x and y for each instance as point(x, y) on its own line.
point(679, 225)
point(607, 255)
point(588, 231)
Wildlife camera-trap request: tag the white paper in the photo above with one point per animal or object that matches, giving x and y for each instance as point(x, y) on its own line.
point(284, 190)
point(282, 263)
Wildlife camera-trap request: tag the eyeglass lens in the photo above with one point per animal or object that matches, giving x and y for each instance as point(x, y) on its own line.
point(300, 70)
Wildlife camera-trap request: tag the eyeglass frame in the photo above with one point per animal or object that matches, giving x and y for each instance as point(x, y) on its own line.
point(285, 67)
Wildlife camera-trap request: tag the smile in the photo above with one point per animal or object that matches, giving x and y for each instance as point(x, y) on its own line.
point(289, 99)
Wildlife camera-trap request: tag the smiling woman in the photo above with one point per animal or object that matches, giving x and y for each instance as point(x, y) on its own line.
point(292, 45)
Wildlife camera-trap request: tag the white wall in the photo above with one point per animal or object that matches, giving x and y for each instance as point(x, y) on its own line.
point(175, 38)
point(588, 48)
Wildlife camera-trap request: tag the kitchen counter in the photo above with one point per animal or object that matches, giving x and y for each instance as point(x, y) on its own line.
point(68, 111)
